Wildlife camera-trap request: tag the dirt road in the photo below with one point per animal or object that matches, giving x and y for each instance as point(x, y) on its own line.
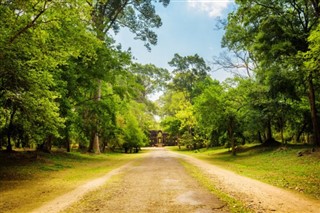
point(258, 196)
point(156, 183)
point(159, 183)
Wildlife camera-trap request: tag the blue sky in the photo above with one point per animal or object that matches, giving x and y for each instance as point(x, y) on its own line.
point(188, 28)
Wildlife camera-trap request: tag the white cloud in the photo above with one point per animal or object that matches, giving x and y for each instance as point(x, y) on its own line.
point(213, 8)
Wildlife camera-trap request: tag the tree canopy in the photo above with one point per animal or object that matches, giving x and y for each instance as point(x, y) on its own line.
point(63, 79)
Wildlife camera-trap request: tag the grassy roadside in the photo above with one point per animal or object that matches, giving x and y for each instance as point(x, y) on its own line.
point(233, 204)
point(28, 180)
point(280, 167)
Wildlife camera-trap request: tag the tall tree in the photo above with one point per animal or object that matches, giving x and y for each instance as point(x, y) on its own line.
point(152, 78)
point(276, 32)
point(139, 16)
point(38, 37)
point(188, 71)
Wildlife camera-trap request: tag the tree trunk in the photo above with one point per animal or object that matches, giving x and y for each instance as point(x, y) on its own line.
point(300, 132)
point(68, 143)
point(282, 138)
point(313, 109)
point(96, 144)
point(10, 128)
point(269, 132)
point(46, 145)
point(9, 146)
point(231, 136)
point(67, 136)
point(103, 145)
point(90, 148)
point(270, 141)
point(260, 137)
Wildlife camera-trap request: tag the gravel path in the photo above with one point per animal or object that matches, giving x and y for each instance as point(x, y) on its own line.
point(258, 196)
point(159, 183)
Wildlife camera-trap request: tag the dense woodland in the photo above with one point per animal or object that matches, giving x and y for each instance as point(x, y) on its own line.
point(65, 82)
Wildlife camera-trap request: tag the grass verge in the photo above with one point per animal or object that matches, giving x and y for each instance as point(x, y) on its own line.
point(29, 179)
point(281, 167)
point(233, 204)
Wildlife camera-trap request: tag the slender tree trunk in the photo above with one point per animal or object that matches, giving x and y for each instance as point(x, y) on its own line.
point(103, 148)
point(10, 128)
point(9, 146)
point(282, 138)
point(67, 136)
point(300, 132)
point(281, 132)
point(46, 145)
point(90, 148)
point(68, 143)
point(231, 136)
point(313, 109)
point(96, 141)
point(260, 137)
point(94, 145)
point(269, 132)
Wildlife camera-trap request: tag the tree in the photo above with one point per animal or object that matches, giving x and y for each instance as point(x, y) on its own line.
point(139, 16)
point(188, 70)
point(171, 103)
point(33, 46)
point(152, 78)
point(209, 111)
point(276, 32)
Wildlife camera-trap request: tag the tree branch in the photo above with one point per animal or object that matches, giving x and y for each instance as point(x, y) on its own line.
point(29, 25)
point(114, 18)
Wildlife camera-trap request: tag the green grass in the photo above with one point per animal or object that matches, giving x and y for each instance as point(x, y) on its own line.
point(233, 204)
point(27, 179)
point(280, 167)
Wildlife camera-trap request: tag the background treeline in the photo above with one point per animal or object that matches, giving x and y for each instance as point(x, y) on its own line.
point(64, 81)
point(274, 52)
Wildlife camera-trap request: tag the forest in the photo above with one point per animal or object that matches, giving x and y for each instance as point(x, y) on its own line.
point(65, 82)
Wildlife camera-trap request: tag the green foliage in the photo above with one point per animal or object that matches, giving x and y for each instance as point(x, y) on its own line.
point(189, 71)
point(152, 78)
point(31, 50)
point(139, 17)
point(279, 36)
point(312, 56)
point(132, 135)
point(64, 82)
